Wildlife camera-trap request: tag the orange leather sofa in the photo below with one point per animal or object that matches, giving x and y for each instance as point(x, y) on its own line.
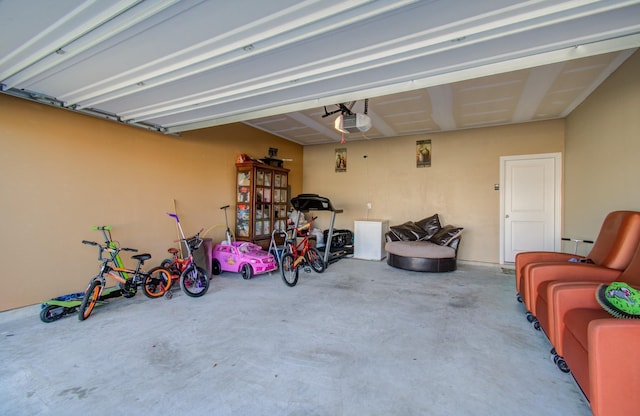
point(601, 351)
point(617, 241)
point(556, 297)
point(601, 246)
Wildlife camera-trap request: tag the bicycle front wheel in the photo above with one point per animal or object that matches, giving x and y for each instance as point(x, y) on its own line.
point(157, 282)
point(315, 260)
point(90, 299)
point(194, 281)
point(288, 270)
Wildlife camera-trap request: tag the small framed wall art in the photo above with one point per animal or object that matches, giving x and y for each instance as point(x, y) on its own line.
point(341, 160)
point(423, 153)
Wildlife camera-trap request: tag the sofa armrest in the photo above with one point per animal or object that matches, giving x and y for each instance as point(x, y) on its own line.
point(536, 273)
point(529, 257)
point(455, 243)
point(614, 360)
point(563, 297)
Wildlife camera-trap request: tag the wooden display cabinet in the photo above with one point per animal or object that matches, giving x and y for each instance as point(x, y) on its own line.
point(262, 200)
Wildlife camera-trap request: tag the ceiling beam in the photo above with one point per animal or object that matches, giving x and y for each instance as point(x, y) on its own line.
point(539, 81)
point(441, 98)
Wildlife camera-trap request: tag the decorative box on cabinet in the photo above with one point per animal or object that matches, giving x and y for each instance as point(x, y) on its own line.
point(261, 204)
point(369, 239)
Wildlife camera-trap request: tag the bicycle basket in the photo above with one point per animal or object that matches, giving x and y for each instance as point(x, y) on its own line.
point(194, 243)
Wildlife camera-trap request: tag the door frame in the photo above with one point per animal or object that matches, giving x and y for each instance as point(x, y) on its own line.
point(557, 216)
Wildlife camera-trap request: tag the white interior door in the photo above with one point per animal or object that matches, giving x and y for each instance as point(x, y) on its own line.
point(530, 197)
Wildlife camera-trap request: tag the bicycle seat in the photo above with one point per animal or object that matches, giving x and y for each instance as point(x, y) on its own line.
point(141, 257)
point(173, 251)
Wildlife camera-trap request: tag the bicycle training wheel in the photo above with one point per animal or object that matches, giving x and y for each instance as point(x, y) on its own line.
point(157, 282)
point(90, 299)
point(194, 281)
point(288, 270)
point(315, 260)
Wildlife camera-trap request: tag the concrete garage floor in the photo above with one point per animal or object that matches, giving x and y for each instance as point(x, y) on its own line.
point(360, 339)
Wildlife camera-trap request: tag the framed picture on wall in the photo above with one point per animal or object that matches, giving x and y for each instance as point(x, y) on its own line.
point(341, 160)
point(423, 153)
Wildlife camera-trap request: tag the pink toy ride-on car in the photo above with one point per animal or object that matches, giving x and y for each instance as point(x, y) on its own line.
point(242, 257)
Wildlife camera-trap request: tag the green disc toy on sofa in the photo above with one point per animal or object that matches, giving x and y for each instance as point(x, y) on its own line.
point(619, 299)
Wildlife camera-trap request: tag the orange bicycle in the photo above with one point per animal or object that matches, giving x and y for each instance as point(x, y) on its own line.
point(300, 254)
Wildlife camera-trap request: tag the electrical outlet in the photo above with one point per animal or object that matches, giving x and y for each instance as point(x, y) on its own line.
point(368, 205)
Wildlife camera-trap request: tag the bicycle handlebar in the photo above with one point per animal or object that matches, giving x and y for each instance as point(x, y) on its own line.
point(225, 207)
point(102, 227)
point(189, 238)
point(106, 247)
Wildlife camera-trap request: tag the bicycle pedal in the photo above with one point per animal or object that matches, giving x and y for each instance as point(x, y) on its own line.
point(307, 269)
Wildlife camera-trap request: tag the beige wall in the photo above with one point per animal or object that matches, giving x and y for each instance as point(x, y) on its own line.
point(62, 173)
point(603, 153)
point(459, 185)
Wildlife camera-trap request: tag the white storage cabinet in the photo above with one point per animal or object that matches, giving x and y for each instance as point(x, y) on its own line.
point(369, 239)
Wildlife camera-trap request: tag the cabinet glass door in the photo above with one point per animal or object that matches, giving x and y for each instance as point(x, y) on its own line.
point(243, 203)
point(280, 198)
point(263, 203)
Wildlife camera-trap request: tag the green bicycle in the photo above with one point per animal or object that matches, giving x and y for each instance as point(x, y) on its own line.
point(155, 283)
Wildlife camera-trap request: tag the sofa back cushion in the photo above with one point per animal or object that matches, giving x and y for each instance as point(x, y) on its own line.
point(617, 240)
point(431, 225)
point(409, 231)
point(446, 235)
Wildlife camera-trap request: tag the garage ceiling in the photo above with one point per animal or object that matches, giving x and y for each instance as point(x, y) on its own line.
point(425, 66)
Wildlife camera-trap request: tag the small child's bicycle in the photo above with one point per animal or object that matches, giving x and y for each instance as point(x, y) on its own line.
point(193, 278)
point(299, 255)
point(155, 283)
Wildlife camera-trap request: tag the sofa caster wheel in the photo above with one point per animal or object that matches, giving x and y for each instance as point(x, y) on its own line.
point(536, 325)
point(562, 364)
point(519, 298)
point(530, 317)
point(553, 352)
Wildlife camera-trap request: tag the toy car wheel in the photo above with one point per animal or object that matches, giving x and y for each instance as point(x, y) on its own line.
point(247, 272)
point(216, 268)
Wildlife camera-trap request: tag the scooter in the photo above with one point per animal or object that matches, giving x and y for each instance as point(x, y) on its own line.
point(64, 305)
